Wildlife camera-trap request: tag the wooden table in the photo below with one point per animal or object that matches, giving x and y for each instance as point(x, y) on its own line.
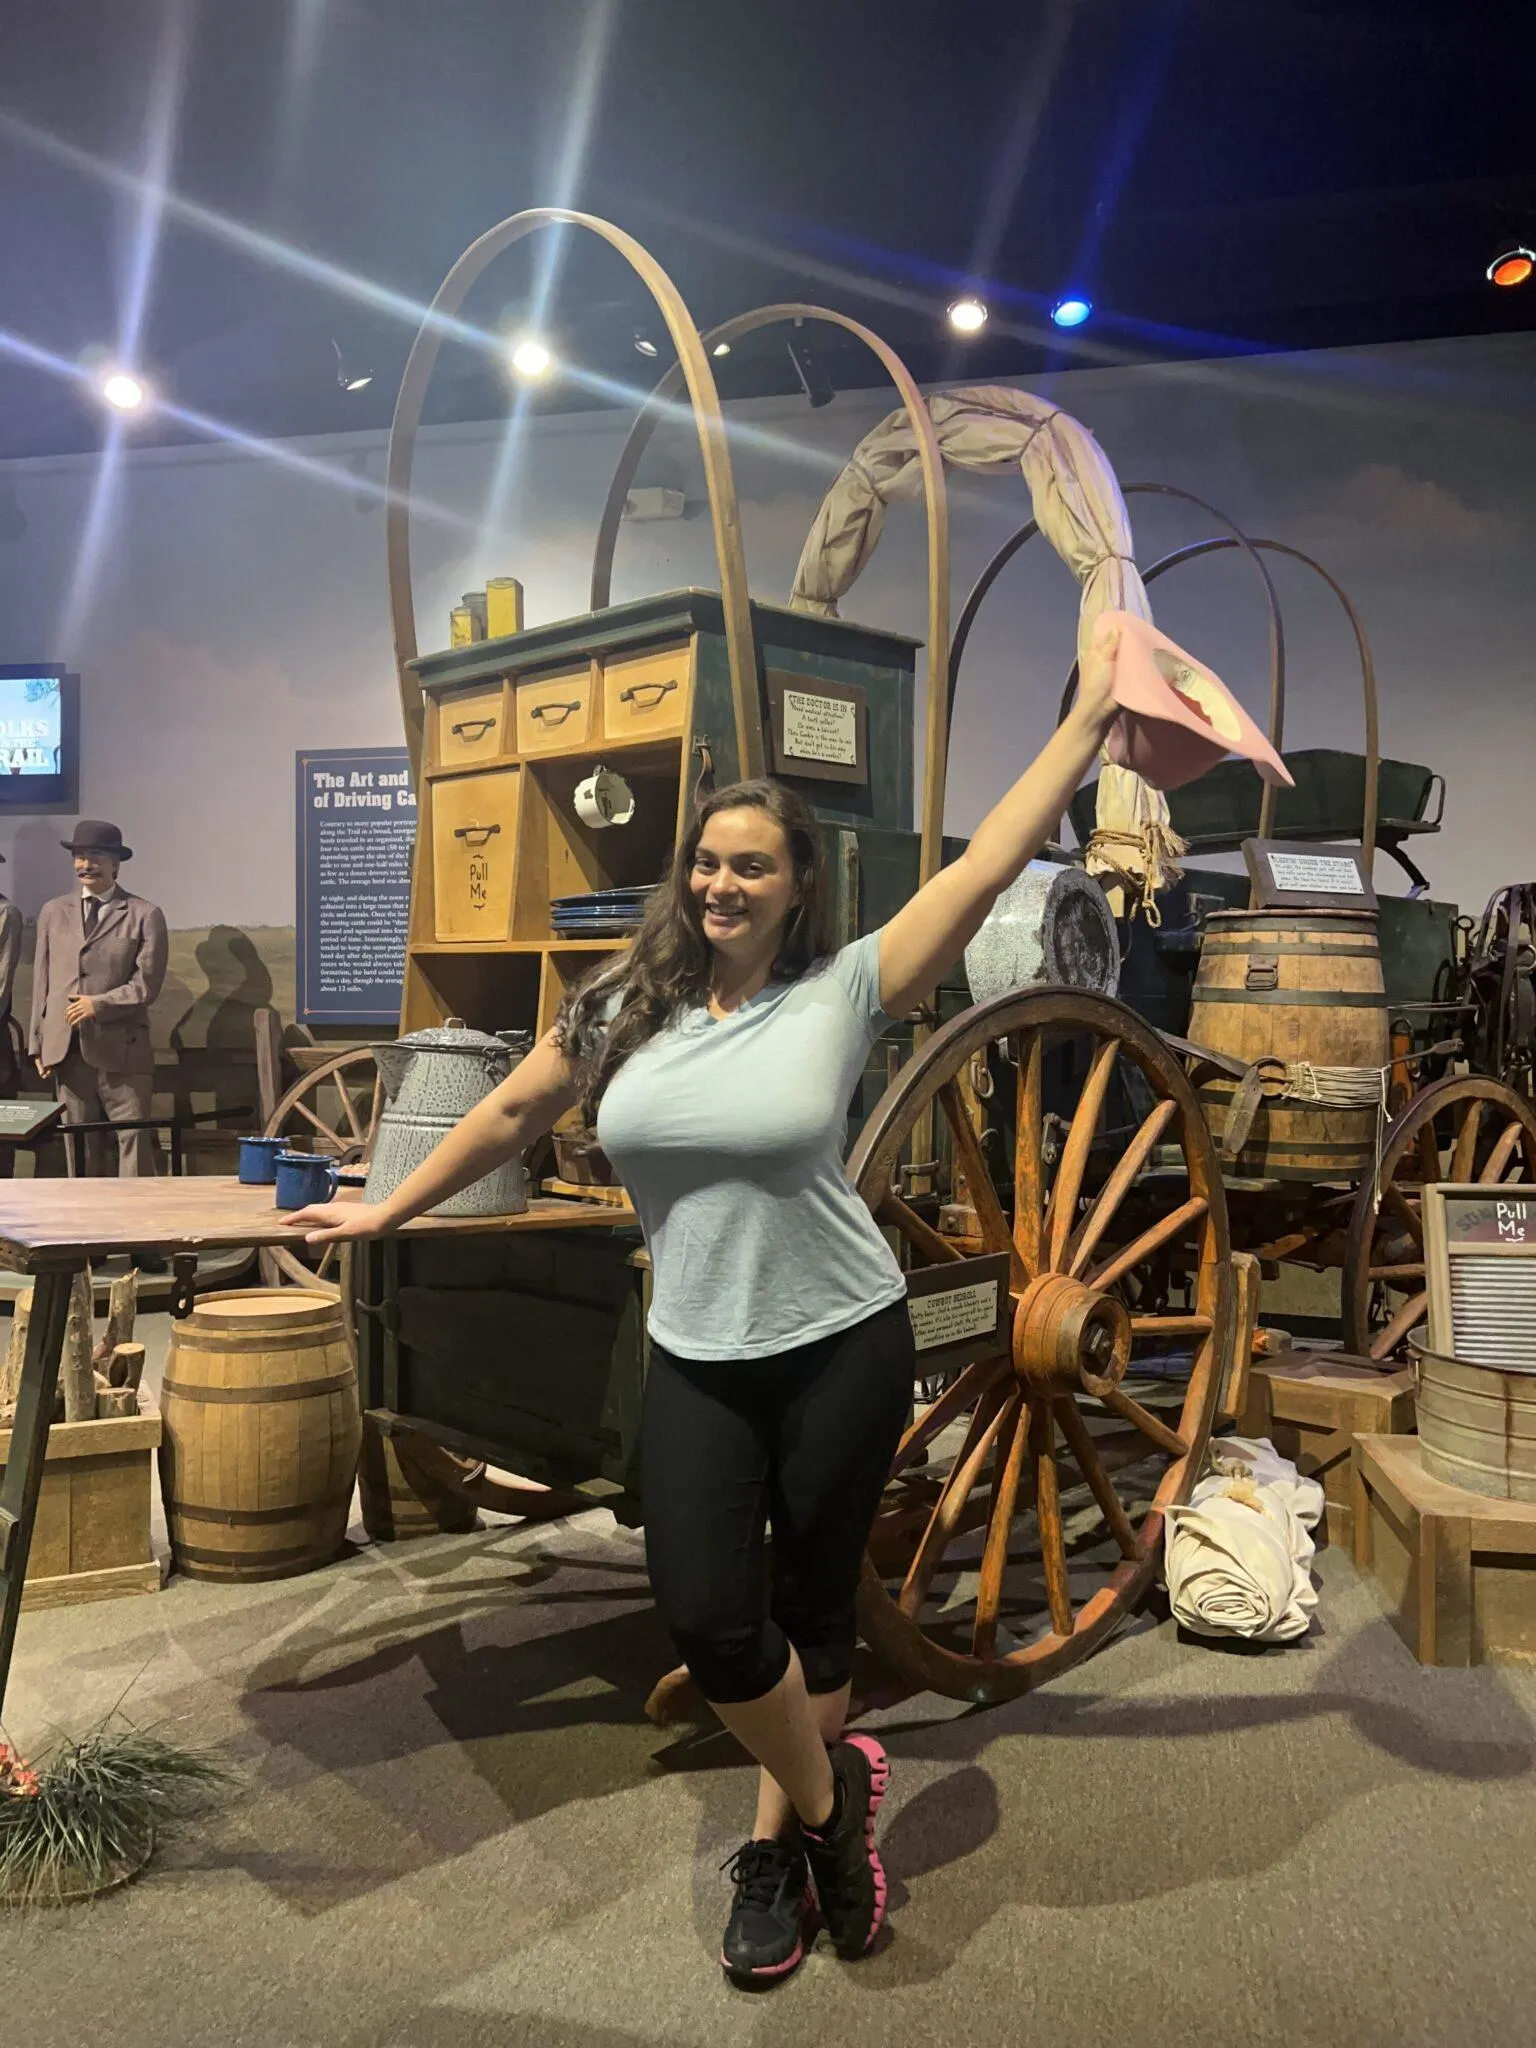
point(53, 1229)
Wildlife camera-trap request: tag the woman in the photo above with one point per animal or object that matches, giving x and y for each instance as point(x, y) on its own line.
point(718, 1057)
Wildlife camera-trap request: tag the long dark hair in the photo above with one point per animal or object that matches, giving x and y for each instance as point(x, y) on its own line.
point(667, 968)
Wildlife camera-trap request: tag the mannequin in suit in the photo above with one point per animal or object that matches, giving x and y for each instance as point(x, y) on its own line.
point(101, 958)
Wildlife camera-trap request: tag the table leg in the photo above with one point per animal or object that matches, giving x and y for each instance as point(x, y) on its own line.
point(23, 1479)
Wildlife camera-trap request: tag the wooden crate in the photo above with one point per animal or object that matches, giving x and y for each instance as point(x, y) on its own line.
point(91, 1537)
point(1458, 1568)
point(1312, 1406)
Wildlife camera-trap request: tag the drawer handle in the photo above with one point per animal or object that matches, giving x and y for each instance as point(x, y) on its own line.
point(558, 712)
point(476, 834)
point(628, 696)
point(1263, 972)
point(473, 728)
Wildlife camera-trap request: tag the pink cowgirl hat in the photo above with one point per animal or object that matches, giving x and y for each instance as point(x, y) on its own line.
point(1176, 718)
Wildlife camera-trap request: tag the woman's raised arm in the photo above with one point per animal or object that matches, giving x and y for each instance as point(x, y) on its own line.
point(928, 935)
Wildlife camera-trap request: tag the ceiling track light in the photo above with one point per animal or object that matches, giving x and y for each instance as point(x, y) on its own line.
point(645, 343)
point(122, 390)
point(350, 377)
point(811, 370)
point(531, 358)
point(1512, 266)
point(721, 348)
point(968, 314)
point(1071, 311)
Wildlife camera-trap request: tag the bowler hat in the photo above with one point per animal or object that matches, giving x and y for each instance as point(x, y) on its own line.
point(95, 835)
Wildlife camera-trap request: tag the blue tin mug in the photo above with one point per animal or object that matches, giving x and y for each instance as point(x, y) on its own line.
point(258, 1160)
point(304, 1177)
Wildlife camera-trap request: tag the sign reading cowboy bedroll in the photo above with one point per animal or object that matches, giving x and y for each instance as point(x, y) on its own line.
point(356, 830)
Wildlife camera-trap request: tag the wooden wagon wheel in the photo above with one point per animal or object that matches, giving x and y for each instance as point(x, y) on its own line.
point(333, 1110)
point(1465, 1128)
point(1007, 1569)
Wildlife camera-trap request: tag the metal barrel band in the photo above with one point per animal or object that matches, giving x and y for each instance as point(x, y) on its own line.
point(255, 1518)
point(299, 1390)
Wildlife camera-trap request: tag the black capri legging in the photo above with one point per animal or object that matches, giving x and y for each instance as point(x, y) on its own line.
point(801, 1442)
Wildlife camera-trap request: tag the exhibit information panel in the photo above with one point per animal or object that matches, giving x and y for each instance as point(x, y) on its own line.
point(356, 830)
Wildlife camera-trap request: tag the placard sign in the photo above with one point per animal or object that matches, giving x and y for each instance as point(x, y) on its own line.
point(1292, 876)
point(1329, 872)
point(21, 1122)
point(960, 1312)
point(819, 728)
point(356, 831)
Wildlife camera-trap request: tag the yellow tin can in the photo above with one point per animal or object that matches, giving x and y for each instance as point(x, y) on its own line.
point(462, 625)
point(503, 606)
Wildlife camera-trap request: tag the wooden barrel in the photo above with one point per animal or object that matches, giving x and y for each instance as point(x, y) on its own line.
point(1293, 985)
point(398, 1504)
point(1477, 1424)
point(262, 1428)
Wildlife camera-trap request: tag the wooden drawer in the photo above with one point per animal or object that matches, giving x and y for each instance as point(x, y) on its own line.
point(469, 724)
point(474, 853)
point(554, 712)
point(645, 696)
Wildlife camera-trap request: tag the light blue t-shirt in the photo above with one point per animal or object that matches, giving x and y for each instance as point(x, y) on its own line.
point(728, 1134)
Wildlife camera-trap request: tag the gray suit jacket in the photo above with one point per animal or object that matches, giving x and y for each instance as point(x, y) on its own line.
point(121, 966)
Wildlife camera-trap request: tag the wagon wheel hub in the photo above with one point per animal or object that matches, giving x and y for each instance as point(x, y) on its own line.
point(1069, 1338)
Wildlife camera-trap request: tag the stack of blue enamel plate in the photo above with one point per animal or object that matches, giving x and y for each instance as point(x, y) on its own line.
point(604, 914)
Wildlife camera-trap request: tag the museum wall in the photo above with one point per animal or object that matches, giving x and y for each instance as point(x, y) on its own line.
point(225, 609)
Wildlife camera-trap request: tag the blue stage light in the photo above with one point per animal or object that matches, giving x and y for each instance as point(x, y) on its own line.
point(1071, 312)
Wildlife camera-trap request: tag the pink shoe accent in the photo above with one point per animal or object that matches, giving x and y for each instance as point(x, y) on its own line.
point(879, 1780)
point(773, 1969)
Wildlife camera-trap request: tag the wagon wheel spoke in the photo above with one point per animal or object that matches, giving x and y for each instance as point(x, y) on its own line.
point(1412, 1312)
point(1464, 1151)
point(1028, 1172)
point(995, 1234)
point(1075, 1430)
point(1053, 1546)
point(359, 1134)
point(976, 1381)
point(1195, 1325)
point(992, 1413)
point(1406, 1212)
point(1428, 1149)
point(994, 1557)
point(921, 1236)
point(1085, 1238)
point(334, 1137)
point(1501, 1155)
point(1394, 1276)
point(1062, 1213)
point(1151, 1239)
point(1152, 1427)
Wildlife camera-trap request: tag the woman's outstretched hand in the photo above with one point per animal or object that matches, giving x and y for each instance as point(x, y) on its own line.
point(1096, 680)
point(339, 1222)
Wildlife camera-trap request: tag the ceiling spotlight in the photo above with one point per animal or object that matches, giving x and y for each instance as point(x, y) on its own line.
point(721, 348)
point(353, 379)
point(1512, 266)
point(644, 346)
point(121, 390)
point(968, 315)
point(811, 371)
point(1071, 312)
point(530, 357)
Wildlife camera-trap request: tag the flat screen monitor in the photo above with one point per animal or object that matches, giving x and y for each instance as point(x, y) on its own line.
point(39, 736)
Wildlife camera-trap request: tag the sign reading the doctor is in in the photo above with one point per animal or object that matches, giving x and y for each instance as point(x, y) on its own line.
point(356, 833)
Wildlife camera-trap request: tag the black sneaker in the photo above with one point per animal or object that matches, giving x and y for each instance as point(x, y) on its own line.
point(763, 1938)
point(846, 1872)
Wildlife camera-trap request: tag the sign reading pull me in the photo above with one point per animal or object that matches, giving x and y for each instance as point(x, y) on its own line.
point(960, 1312)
